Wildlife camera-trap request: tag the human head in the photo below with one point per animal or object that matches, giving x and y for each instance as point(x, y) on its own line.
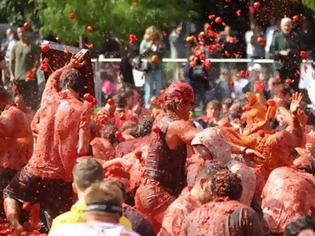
point(108, 132)
point(283, 116)
point(104, 199)
point(85, 173)
point(253, 25)
point(286, 25)
point(179, 97)
point(211, 144)
point(22, 34)
point(226, 105)
point(10, 33)
point(203, 181)
point(71, 79)
point(20, 101)
point(227, 30)
point(305, 163)
point(235, 111)
point(297, 226)
point(152, 34)
point(226, 184)
point(4, 98)
point(179, 29)
point(129, 127)
point(213, 109)
point(310, 143)
point(120, 100)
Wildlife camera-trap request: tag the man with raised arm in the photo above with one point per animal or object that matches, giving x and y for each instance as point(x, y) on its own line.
point(63, 135)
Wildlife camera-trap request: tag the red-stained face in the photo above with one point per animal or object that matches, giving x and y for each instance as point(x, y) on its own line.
point(203, 152)
point(184, 110)
point(213, 112)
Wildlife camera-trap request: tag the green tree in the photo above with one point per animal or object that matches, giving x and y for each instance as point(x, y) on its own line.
point(19, 11)
point(310, 4)
point(109, 18)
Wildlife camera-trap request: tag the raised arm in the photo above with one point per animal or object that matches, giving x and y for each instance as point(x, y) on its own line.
point(52, 83)
point(180, 131)
point(294, 135)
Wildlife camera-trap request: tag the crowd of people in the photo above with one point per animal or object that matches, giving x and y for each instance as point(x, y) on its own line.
point(151, 165)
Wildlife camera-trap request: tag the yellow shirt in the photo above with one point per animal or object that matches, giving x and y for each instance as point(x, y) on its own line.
point(76, 215)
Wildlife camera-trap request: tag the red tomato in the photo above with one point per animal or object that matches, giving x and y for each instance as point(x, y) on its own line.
point(303, 54)
point(218, 20)
point(111, 102)
point(138, 155)
point(90, 28)
point(27, 206)
point(118, 135)
point(72, 16)
point(154, 59)
point(256, 5)
point(156, 129)
point(132, 38)
point(44, 48)
point(27, 26)
point(261, 41)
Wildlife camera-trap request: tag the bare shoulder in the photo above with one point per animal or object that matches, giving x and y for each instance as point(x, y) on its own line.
point(180, 125)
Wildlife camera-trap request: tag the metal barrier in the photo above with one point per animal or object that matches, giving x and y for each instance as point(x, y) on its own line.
point(171, 68)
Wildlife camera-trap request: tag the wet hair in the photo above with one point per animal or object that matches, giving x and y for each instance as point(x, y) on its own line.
point(309, 168)
point(214, 103)
point(226, 184)
point(228, 102)
point(108, 132)
point(302, 223)
point(120, 100)
point(4, 95)
point(209, 169)
point(144, 127)
point(86, 172)
point(108, 191)
point(71, 79)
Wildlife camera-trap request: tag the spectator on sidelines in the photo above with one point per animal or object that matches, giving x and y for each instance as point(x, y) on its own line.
point(285, 48)
point(24, 63)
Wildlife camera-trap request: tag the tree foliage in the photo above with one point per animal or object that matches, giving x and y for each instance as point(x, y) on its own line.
point(310, 4)
point(19, 11)
point(109, 18)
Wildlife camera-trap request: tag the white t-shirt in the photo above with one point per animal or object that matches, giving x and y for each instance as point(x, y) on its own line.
point(93, 228)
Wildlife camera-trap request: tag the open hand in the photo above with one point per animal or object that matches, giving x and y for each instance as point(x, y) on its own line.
point(295, 102)
point(77, 61)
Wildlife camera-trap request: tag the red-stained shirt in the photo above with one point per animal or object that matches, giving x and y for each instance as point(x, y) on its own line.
point(16, 141)
point(176, 214)
point(55, 151)
point(287, 195)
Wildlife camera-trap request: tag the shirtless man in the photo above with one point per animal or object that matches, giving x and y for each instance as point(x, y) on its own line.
point(16, 141)
point(63, 135)
point(164, 176)
point(199, 194)
point(224, 215)
point(289, 194)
